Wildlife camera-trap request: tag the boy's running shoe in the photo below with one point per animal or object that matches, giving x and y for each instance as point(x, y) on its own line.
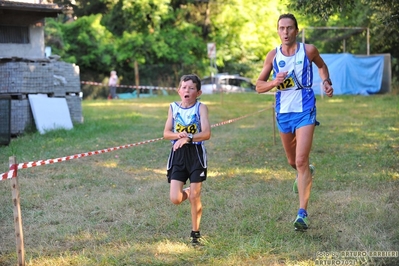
point(295, 186)
point(301, 222)
point(312, 170)
point(195, 239)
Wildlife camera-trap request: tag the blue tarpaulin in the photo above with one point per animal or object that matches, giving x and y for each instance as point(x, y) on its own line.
point(352, 74)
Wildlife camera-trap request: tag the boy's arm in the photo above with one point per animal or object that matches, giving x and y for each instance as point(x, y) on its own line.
point(168, 130)
point(205, 133)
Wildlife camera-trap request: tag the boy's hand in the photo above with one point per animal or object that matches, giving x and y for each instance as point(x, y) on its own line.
point(179, 143)
point(182, 135)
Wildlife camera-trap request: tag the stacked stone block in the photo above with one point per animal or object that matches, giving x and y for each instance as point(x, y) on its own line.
point(53, 78)
point(5, 110)
point(75, 107)
point(21, 116)
point(26, 77)
point(66, 79)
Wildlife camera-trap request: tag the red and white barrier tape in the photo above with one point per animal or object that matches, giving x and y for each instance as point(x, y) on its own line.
point(236, 119)
point(129, 86)
point(14, 167)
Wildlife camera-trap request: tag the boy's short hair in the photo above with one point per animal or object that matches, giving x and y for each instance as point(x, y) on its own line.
point(194, 78)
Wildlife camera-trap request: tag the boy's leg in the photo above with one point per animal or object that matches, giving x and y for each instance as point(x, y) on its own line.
point(177, 194)
point(196, 205)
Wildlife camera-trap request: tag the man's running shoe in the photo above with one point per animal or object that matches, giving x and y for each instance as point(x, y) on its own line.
point(295, 186)
point(195, 238)
point(301, 222)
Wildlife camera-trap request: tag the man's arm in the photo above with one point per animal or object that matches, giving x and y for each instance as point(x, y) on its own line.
point(314, 56)
point(262, 84)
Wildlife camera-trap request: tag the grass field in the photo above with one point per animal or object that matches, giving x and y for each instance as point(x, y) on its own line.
point(114, 209)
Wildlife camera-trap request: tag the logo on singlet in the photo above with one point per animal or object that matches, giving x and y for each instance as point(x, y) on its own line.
point(281, 63)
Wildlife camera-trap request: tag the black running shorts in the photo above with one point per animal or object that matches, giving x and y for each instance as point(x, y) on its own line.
point(188, 163)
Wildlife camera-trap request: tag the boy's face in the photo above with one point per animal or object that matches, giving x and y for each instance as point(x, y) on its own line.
point(188, 91)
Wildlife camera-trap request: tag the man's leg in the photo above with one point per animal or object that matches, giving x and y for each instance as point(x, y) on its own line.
point(304, 139)
point(297, 148)
point(289, 144)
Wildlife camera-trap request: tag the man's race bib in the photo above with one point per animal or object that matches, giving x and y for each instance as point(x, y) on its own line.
point(287, 83)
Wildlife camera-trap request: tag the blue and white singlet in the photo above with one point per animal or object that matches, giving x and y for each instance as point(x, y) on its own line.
point(186, 119)
point(295, 94)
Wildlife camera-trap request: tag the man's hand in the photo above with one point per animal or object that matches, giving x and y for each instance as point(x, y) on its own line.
point(280, 77)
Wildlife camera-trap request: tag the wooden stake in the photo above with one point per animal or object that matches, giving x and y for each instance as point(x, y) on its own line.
point(19, 236)
point(136, 78)
point(274, 123)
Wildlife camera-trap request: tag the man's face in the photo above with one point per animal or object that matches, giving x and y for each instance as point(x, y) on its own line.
point(287, 31)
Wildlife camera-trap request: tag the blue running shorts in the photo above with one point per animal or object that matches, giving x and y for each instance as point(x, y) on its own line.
point(290, 122)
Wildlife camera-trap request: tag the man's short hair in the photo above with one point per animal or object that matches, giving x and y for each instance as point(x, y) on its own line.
point(290, 16)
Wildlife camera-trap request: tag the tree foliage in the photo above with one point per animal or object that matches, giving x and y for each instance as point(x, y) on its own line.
point(380, 16)
point(172, 33)
point(168, 38)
